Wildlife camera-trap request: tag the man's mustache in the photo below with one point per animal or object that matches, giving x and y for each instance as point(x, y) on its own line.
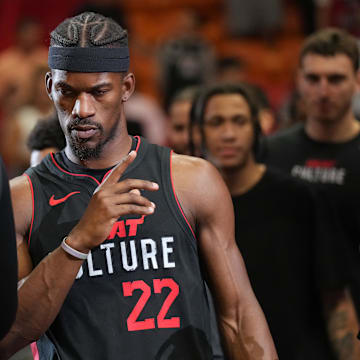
point(79, 122)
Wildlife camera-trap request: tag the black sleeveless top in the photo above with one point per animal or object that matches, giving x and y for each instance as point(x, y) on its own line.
point(140, 294)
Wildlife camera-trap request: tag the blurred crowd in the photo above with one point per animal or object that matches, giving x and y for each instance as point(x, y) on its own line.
point(183, 53)
point(175, 45)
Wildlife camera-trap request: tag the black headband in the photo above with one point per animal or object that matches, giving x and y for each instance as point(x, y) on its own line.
point(96, 59)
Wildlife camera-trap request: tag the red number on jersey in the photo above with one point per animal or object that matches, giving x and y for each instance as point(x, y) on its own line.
point(132, 323)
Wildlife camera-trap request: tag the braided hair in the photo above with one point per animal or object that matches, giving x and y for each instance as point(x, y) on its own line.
point(89, 29)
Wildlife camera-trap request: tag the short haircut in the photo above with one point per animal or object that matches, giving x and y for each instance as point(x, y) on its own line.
point(230, 62)
point(330, 42)
point(245, 90)
point(89, 29)
point(46, 133)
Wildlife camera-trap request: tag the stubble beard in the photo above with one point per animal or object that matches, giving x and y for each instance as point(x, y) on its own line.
point(84, 152)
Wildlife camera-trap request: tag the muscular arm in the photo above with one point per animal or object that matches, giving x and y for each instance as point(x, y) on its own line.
point(241, 320)
point(39, 299)
point(342, 324)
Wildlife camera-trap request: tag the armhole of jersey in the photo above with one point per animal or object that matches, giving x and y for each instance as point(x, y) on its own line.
point(176, 198)
point(34, 350)
point(33, 206)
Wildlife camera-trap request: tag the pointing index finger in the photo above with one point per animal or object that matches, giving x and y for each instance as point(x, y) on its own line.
point(115, 174)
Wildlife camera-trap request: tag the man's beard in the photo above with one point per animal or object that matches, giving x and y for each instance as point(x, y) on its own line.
point(79, 146)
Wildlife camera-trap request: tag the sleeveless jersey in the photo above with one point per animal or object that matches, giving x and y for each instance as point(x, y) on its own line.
point(140, 294)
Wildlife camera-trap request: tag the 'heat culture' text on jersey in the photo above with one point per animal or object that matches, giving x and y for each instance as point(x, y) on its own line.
point(140, 294)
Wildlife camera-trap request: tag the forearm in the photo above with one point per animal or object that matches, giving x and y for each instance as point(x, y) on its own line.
point(342, 325)
point(40, 299)
point(247, 337)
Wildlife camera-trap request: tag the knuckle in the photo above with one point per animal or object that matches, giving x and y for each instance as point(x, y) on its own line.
point(133, 209)
point(134, 197)
point(127, 182)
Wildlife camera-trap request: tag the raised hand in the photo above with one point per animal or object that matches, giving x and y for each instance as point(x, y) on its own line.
point(111, 199)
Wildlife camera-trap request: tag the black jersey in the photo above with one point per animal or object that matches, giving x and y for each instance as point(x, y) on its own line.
point(290, 260)
point(333, 170)
point(140, 294)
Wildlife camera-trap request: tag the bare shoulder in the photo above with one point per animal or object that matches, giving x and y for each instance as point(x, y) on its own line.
point(198, 184)
point(193, 168)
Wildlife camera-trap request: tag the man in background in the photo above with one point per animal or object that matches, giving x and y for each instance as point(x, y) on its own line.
point(291, 254)
point(179, 136)
point(325, 149)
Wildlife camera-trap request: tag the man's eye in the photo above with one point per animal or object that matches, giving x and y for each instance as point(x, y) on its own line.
point(312, 78)
point(336, 79)
point(99, 92)
point(66, 92)
point(240, 120)
point(213, 122)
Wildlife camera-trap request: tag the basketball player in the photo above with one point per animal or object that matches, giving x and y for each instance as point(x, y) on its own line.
point(116, 235)
point(290, 250)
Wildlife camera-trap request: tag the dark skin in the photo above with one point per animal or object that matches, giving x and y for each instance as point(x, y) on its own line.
point(199, 188)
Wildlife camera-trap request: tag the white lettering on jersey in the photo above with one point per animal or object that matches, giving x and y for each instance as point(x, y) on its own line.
point(149, 255)
point(92, 271)
point(166, 251)
point(80, 273)
point(320, 175)
point(134, 262)
point(152, 259)
point(109, 263)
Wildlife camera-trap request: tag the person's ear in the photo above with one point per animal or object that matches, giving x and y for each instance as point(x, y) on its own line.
point(48, 84)
point(128, 86)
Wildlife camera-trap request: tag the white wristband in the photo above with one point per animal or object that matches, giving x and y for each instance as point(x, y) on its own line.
point(77, 254)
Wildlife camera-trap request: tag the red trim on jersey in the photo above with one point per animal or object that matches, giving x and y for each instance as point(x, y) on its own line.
point(176, 198)
point(33, 206)
point(35, 351)
point(138, 142)
point(69, 173)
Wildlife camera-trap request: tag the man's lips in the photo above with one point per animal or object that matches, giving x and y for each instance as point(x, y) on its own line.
point(228, 151)
point(85, 131)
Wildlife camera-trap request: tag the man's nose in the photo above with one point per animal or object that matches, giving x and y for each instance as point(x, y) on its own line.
point(83, 107)
point(228, 131)
point(324, 87)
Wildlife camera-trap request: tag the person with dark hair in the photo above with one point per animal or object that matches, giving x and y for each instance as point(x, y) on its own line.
point(266, 114)
point(106, 228)
point(287, 245)
point(324, 150)
point(8, 260)
point(46, 137)
point(231, 69)
point(179, 120)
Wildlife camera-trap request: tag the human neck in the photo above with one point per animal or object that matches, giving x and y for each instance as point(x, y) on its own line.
point(338, 131)
point(241, 180)
point(112, 153)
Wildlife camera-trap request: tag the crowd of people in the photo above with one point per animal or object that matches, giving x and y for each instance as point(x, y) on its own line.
point(200, 227)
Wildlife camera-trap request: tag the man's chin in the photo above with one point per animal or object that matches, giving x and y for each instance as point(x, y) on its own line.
point(86, 152)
